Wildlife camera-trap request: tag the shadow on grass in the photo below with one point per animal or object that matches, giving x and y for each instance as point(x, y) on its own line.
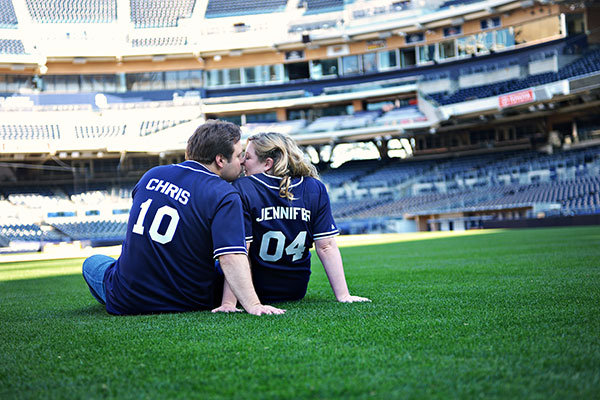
point(91, 310)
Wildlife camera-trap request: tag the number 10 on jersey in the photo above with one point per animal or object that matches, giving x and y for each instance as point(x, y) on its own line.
point(162, 212)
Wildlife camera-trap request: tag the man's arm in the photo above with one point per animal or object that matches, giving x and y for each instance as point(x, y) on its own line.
point(330, 257)
point(229, 301)
point(237, 273)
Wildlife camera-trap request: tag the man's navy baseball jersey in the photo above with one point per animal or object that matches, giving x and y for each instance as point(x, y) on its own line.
point(183, 216)
point(282, 231)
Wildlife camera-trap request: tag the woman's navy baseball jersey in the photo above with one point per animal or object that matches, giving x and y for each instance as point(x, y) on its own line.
point(282, 231)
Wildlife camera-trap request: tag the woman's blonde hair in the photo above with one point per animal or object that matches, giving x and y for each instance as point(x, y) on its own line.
point(288, 159)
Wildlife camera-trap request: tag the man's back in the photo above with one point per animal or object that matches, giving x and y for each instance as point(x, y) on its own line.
point(182, 216)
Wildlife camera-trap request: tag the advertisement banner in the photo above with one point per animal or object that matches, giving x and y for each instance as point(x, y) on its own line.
point(516, 98)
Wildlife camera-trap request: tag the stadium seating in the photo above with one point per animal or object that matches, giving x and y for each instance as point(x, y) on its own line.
point(475, 183)
point(11, 46)
point(394, 174)
point(322, 6)
point(286, 127)
point(8, 18)
point(588, 63)
point(324, 124)
point(230, 8)
point(359, 120)
point(149, 127)
point(97, 131)
point(401, 115)
point(160, 14)
point(159, 41)
point(20, 232)
point(29, 132)
point(456, 3)
point(350, 171)
point(564, 183)
point(312, 26)
point(73, 11)
point(103, 230)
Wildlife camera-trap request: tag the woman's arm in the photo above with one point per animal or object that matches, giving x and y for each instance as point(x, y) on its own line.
point(330, 257)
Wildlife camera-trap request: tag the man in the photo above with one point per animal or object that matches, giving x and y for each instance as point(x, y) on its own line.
point(183, 217)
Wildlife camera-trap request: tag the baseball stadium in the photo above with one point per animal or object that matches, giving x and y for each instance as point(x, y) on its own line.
point(458, 145)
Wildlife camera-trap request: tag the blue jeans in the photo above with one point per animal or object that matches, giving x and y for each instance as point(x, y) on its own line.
point(93, 270)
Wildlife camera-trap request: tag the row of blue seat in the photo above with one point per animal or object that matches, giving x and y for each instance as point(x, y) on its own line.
point(157, 14)
point(11, 46)
point(73, 11)
point(588, 63)
point(8, 18)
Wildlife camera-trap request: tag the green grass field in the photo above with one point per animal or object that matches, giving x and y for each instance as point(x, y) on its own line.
point(500, 314)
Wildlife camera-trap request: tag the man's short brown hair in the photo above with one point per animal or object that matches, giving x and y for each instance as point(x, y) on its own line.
point(212, 138)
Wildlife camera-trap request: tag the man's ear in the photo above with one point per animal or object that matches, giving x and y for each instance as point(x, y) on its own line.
point(220, 160)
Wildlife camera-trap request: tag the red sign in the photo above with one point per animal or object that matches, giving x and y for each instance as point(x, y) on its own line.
point(513, 99)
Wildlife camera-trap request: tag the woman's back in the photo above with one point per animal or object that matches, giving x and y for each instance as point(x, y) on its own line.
point(282, 231)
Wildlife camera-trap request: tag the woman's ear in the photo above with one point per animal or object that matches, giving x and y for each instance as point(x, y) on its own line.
point(269, 164)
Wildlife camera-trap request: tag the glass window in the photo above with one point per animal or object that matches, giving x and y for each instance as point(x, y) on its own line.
point(265, 117)
point(131, 81)
point(447, 49)
point(196, 78)
point(171, 79)
point(350, 65)
point(415, 38)
point(87, 83)
point(505, 38)
point(426, 53)
point(98, 82)
point(250, 75)
point(466, 46)
point(264, 74)
point(109, 82)
point(324, 68)
point(234, 75)
point(72, 83)
point(214, 78)
point(297, 71)
point(575, 24)
point(489, 23)
point(236, 119)
point(388, 59)
point(276, 73)
point(452, 31)
point(60, 83)
point(183, 79)
point(12, 83)
point(156, 80)
point(299, 114)
point(408, 57)
point(485, 41)
point(370, 62)
point(271, 73)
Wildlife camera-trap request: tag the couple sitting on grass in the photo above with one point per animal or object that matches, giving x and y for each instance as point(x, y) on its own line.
point(185, 216)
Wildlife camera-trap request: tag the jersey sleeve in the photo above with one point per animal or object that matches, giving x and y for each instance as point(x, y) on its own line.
point(323, 224)
point(227, 227)
point(246, 208)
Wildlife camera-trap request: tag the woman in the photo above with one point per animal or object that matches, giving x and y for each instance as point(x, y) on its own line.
point(286, 209)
